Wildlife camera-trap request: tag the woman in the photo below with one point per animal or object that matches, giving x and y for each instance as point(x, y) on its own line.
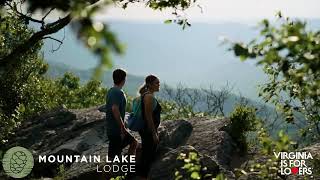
point(151, 110)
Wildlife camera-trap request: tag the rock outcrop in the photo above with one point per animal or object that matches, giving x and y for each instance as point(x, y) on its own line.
point(209, 138)
point(82, 132)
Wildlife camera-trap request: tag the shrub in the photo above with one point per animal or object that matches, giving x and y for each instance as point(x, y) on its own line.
point(266, 165)
point(243, 119)
point(192, 168)
point(61, 173)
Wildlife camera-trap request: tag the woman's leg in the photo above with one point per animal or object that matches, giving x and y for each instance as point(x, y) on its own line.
point(148, 154)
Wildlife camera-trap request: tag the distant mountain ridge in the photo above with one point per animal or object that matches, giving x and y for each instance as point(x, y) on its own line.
point(193, 56)
point(133, 83)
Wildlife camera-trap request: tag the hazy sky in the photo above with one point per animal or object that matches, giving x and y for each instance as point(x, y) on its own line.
point(230, 10)
point(186, 51)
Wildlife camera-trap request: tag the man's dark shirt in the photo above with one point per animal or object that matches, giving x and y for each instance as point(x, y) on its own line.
point(115, 96)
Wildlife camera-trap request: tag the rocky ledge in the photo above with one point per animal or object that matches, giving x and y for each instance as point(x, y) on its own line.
point(82, 132)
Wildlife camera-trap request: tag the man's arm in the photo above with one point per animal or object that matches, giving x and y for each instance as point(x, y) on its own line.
point(117, 116)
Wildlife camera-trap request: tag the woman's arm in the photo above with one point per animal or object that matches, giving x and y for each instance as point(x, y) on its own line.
point(148, 103)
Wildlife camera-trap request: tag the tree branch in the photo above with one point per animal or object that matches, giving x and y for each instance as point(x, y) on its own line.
point(20, 14)
point(44, 17)
point(35, 38)
point(49, 37)
point(59, 41)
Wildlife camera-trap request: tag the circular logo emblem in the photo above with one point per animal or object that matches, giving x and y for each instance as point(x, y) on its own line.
point(17, 162)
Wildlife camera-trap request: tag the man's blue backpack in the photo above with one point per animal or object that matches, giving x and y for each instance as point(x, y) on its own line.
point(135, 120)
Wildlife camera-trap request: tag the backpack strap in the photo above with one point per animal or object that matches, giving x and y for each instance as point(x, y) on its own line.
point(142, 105)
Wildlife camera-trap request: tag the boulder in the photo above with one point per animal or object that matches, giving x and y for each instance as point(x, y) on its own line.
point(167, 165)
point(71, 132)
point(173, 134)
point(209, 137)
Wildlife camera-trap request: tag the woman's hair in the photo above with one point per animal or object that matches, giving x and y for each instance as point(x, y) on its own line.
point(147, 82)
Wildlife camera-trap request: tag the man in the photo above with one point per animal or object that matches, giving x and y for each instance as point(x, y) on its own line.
point(118, 135)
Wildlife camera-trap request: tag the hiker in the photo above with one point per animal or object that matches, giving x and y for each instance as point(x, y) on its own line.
point(151, 110)
point(118, 135)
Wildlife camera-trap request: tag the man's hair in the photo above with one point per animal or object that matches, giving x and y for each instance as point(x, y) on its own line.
point(118, 76)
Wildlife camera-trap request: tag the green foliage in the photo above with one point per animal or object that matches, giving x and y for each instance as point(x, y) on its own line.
point(290, 55)
point(171, 110)
point(243, 119)
point(220, 177)
point(45, 94)
point(72, 94)
point(159, 5)
point(316, 165)
point(61, 175)
point(96, 35)
point(17, 79)
point(266, 166)
point(118, 178)
point(14, 80)
point(99, 39)
point(192, 168)
point(25, 91)
point(69, 81)
point(176, 5)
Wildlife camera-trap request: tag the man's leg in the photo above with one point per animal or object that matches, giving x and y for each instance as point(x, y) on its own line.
point(130, 140)
point(115, 148)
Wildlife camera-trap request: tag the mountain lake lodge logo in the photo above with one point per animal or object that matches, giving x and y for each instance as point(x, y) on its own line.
point(17, 162)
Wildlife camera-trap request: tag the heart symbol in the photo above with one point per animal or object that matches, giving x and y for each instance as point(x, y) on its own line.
point(294, 170)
